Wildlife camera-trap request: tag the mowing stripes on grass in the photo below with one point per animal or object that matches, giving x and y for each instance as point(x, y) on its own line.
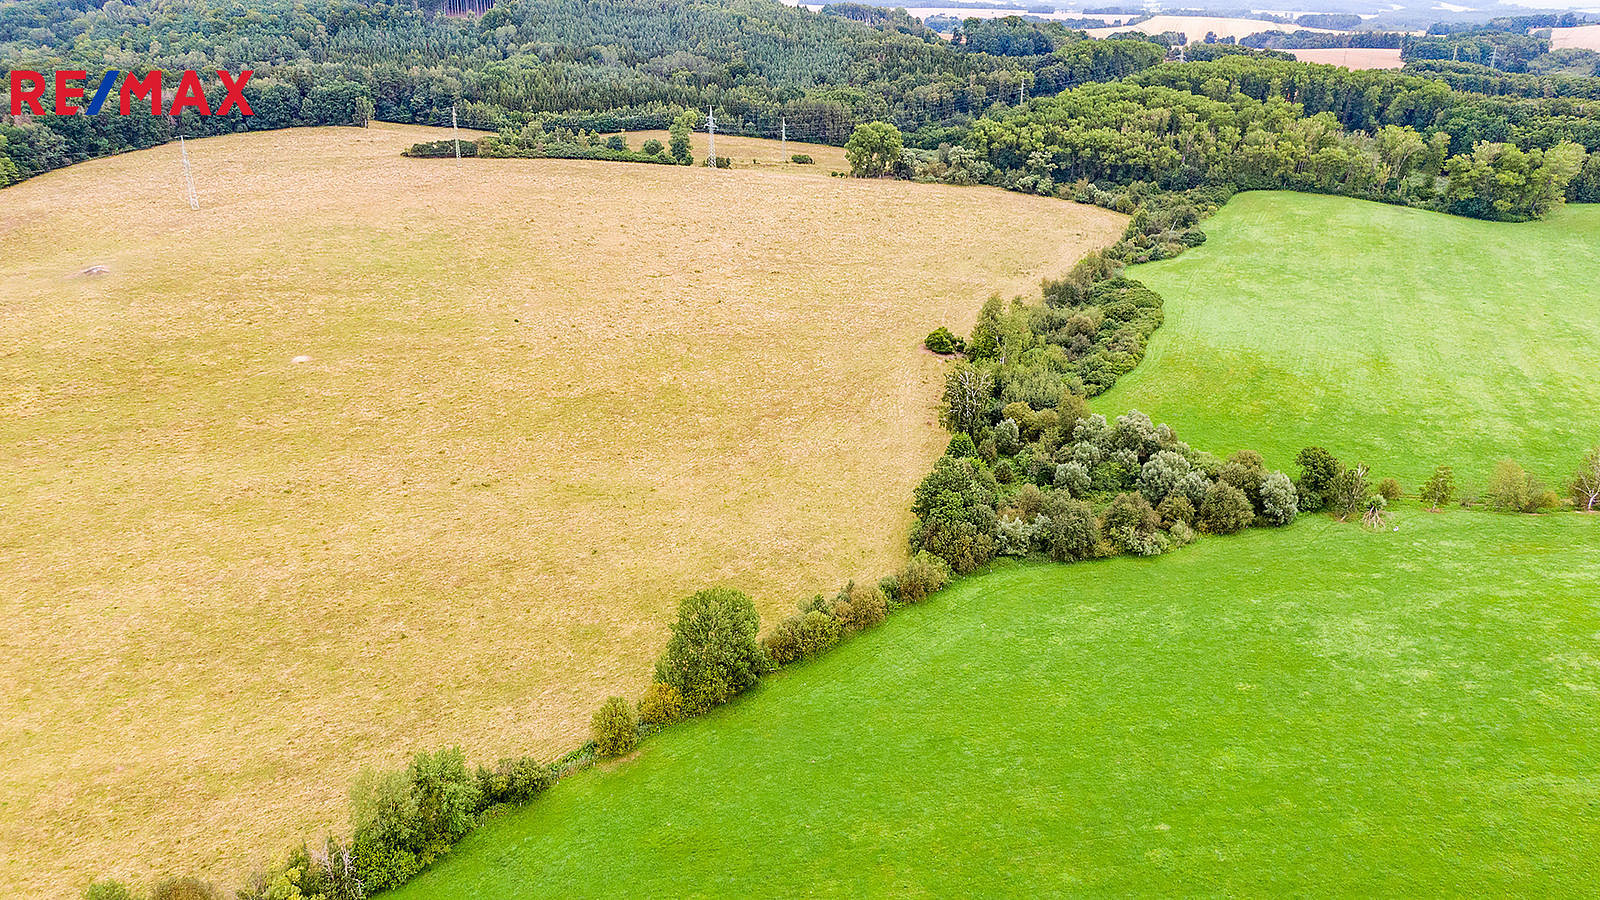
point(1396, 337)
point(1319, 709)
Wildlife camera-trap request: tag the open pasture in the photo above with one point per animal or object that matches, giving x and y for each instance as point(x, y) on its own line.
point(1319, 710)
point(374, 454)
point(1397, 337)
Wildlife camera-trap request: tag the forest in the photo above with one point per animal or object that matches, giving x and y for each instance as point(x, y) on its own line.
point(599, 65)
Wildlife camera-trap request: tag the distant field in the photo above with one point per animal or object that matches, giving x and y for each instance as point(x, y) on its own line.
point(1316, 711)
point(746, 153)
point(544, 399)
point(1393, 336)
point(1352, 57)
point(1583, 37)
point(1196, 27)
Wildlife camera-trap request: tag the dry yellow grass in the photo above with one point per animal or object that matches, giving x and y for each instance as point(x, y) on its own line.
point(1352, 57)
point(545, 399)
point(755, 153)
point(1582, 37)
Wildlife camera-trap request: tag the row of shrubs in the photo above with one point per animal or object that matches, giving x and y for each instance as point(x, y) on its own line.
point(1511, 488)
point(1069, 485)
point(441, 149)
point(403, 820)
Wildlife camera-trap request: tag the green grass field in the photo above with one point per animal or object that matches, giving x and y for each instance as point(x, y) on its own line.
point(1318, 710)
point(1395, 337)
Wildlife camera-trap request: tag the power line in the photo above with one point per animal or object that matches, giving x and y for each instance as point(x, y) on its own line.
point(456, 131)
point(188, 176)
point(711, 125)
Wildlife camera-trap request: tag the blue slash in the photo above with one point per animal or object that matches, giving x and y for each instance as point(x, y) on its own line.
point(101, 92)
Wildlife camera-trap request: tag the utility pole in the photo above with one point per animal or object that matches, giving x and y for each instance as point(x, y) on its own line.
point(711, 126)
point(455, 130)
point(188, 176)
point(783, 138)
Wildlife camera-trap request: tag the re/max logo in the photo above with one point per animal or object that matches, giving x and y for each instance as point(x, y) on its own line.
point(28, 87)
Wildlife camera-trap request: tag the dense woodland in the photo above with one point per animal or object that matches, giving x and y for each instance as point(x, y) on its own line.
point(1027, 105)
point(599, 65)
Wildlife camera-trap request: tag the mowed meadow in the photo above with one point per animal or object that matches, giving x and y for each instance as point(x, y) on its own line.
point(1317, 710)
point(537, 402)
point(1396, 337)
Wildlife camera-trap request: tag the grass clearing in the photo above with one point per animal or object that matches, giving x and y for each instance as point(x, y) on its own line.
point(1397, 337)
point(544, 399)
point(1314, 710)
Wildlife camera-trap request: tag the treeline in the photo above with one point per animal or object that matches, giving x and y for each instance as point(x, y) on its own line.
point(1125, 133)
point(599, 65)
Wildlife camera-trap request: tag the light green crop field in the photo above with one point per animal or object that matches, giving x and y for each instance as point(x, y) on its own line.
point(1395, 337)
point(1318, 710)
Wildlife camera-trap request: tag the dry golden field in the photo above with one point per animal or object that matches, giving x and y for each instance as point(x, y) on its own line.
point(755, 153)
point(1352, 57)
point(543, 400)
point(1582, 37)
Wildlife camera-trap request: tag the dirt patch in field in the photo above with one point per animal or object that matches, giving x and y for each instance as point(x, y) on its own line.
point(543, 400)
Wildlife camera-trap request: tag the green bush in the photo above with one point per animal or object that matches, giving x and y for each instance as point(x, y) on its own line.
point(1389, 489)
point(1318, 469)
point(515, 780)
point(1226, 510)
point(923, 576)
point(1347, 493)
point(858, 608)
point(1131, 525)
point(714, 653)
point(1279, 501)
point(1073, 532)
point(440, 149)
point(107, 889)
point(1176, 508)
point(803, 636)
point(615, 728)
point(661, 704)
point(1513, 489)
point(616, 142)
point(653, 147)
point(942, 341)
point(401, 821)
point(803, 159)
point(380, 866)
point(299, 876)
point(1439, 489)
point(184, 888)
point(678, 135)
